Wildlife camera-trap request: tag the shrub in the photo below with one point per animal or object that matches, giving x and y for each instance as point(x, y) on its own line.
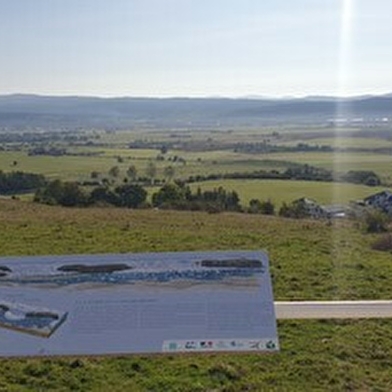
point(68, 194)
point(375, 221)
point(384, 243)
point(103, 195)
point(168, 194)
point(294, 210)
point(261, 207)
point(19, 182)
point(131, 196)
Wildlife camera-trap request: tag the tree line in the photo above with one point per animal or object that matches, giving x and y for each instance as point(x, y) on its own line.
point(301, 172)
point(71, 194)
point(175, 196)
point(169, 196)
point(266, 148)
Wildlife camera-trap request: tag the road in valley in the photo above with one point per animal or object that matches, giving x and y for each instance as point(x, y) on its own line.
point(333, 309)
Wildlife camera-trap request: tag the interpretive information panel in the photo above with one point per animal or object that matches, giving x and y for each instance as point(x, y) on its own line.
point(136, 303)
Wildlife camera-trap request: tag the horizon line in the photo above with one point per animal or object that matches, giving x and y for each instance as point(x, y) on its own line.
point(214, 96)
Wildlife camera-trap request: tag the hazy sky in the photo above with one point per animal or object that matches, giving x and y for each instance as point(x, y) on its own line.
point(195, 47)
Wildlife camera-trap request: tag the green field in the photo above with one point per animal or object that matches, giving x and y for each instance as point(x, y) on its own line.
point(76, 167)
point(279, 191)
point(79, 167)
point(215, 154)
point(309, 260)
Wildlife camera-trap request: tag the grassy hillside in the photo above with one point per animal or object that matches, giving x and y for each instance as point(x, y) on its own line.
point(309, 260)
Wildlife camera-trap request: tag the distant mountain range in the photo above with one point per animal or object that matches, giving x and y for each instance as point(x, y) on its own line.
point(48, 112)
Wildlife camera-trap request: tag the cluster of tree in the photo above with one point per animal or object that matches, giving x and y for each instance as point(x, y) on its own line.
point(261, 207)
point(114, 175)
point(127, 195)
point(255, 175)
point(52, 151)
point(38, 137)
point(155, 145)
point(70, 194)
point(61, 193)
point(366, 177)
point(264, 148)
point(176, 158)
point(178, 144)
point(20, 182)
point(308, 173)
point(294, 210)
point(58, 152)
point(169, 196)
point(179, 196)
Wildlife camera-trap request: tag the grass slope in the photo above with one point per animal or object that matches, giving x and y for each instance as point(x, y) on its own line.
point(309, 260)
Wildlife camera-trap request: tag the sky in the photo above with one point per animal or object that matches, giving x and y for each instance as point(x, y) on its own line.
point(196, 48)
